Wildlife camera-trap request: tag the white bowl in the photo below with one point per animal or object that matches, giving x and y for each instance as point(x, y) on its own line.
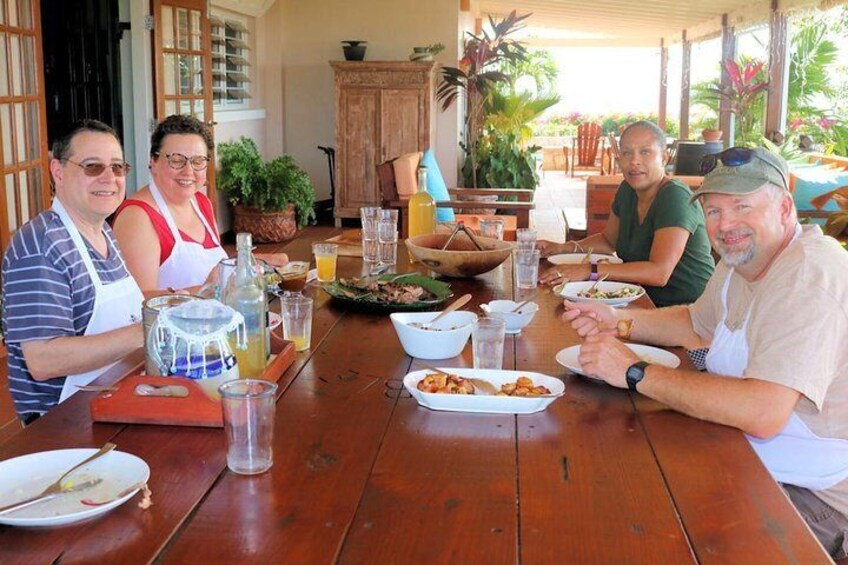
point(515, 321)
point(572, 292)
point(442, 342)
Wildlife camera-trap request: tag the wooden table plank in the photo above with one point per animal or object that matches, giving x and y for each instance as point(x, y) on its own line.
point(719, 486)
point(590, 489)
point(443, 476)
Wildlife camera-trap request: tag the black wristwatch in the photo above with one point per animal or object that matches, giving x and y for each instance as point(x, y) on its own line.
point(635, 373)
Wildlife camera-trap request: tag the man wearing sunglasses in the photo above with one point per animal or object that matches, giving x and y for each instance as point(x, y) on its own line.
point(71, 307)
point(775, 317)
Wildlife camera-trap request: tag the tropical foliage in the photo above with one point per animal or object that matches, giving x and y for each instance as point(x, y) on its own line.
point(566, 125)
point(744, 94)
point(502, 162)
point(513, 113)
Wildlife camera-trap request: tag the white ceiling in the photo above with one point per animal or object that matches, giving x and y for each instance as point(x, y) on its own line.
point(638, 22)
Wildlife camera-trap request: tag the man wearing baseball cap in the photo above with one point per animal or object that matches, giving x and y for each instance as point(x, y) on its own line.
point(775, 317)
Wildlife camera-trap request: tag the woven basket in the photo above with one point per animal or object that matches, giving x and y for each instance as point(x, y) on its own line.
point(266, 227)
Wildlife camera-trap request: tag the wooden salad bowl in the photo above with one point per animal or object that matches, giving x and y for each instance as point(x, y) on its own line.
point(461, 259)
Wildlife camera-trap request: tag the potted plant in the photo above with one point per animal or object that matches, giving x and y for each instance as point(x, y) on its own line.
point(478, 74)
point(747, 85)
point(271, 200)
point(426, 53)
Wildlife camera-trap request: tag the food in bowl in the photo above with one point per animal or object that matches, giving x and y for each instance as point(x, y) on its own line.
point(524, 386)
point(292, 276)
point(444, 383)
point(515, 321)
point(456, 328)
point(428, 328)
point(597, 294)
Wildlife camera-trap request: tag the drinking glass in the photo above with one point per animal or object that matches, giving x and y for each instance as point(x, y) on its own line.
point(370, 216)
point(527, 267)
point(387, 236)
point(488, 343)
point(249, 407)
point(525, 238)
point(326, 255)
point(492, 227)
point(296, 311)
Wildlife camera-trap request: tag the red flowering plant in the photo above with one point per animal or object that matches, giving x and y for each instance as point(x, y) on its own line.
point(744, 93)
point(477, 74)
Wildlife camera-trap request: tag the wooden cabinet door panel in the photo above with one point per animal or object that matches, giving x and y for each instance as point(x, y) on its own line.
point(360, 142)
point(401, 122)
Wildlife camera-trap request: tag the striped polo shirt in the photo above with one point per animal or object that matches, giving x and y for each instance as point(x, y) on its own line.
point(47, 293)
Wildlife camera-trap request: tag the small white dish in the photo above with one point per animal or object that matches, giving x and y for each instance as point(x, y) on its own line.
point(27, 475)
point(572, 291)
point(515, 321)
point(569, 357)
point(577, 258)
point(274, 320)
point(446, 338)
point(486, 403)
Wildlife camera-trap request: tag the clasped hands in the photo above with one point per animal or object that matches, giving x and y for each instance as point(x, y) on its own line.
point(602, 354)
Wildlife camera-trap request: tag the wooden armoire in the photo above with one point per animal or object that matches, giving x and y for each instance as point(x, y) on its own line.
point(383, 109)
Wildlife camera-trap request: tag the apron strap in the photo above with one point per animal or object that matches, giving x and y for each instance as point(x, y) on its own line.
point(169, 218)
point(73, 231)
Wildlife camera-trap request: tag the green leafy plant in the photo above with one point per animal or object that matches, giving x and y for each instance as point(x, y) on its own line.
point(249, 181)
point(514, 112)
point(501, 162)
point(478, 74)
point(747, 86)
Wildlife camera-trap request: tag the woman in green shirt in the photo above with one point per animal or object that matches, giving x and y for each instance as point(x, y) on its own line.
point(654, 229)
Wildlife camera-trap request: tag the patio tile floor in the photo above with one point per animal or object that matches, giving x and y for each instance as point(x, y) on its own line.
point(556, 192)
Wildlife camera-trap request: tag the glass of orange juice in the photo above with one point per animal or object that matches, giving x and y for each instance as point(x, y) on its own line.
point(296, 311)
point(325, 261)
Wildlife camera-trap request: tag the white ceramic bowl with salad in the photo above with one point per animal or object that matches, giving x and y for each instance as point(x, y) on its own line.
point(606, 292)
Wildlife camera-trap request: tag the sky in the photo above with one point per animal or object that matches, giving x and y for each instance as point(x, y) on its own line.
point(603, 80)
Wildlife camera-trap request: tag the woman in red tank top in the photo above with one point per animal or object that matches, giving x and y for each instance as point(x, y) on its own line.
point(167, 230)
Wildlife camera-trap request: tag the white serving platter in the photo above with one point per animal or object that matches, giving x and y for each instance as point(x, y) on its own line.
point(26, 476)
point(568, 357)
point(485, 403)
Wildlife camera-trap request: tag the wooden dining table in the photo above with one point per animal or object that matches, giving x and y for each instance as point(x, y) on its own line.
point(363, 474)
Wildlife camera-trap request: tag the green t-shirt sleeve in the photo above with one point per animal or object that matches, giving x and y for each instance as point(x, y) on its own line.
point(618, 201)
point(673, 209)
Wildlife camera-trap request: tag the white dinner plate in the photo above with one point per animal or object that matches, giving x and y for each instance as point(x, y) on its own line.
point(571, 291)
point(25, 476)
point(577, 258)
point(568, 357)
point(485, 403)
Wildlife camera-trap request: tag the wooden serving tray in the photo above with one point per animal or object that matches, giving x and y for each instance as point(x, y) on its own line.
point(197, 409)
point(349, 242)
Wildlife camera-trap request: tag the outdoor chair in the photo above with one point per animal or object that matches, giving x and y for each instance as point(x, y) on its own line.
point(584, 146)
point(520, 209)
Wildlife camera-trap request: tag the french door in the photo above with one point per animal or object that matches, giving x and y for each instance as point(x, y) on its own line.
point(24, 176)
point(183, 61)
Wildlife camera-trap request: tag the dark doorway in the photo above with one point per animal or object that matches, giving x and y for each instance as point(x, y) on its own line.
point(82, 63)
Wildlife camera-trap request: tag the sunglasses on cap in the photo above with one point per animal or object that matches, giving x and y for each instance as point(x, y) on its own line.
point(735, 157)
point(96, 169)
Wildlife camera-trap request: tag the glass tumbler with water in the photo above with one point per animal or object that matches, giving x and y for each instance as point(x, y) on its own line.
point(249, 408)
point(370, 216)
point(297, 320)
point(527, 267)
point(387, 232)
point(488, 343)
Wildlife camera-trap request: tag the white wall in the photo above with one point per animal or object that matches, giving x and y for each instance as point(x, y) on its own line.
point(311, 33)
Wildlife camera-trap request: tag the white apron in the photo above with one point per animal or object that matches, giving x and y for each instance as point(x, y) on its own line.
point(796, 455)
point(189, 263)
point(116, 304)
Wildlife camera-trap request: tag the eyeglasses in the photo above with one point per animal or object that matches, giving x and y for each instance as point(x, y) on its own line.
point(178, 161)
point(736, 157)
point(96, 169)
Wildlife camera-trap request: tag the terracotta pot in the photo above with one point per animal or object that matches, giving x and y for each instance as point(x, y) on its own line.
point(266, 227)
point(712, 135)
point(479, 198)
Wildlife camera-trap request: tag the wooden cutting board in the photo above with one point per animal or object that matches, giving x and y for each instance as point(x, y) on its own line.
point(349, 242)
point(196, 409)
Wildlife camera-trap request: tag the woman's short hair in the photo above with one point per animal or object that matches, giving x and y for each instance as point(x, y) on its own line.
point(62, 145)
point(658, 134)
point(178, 124)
